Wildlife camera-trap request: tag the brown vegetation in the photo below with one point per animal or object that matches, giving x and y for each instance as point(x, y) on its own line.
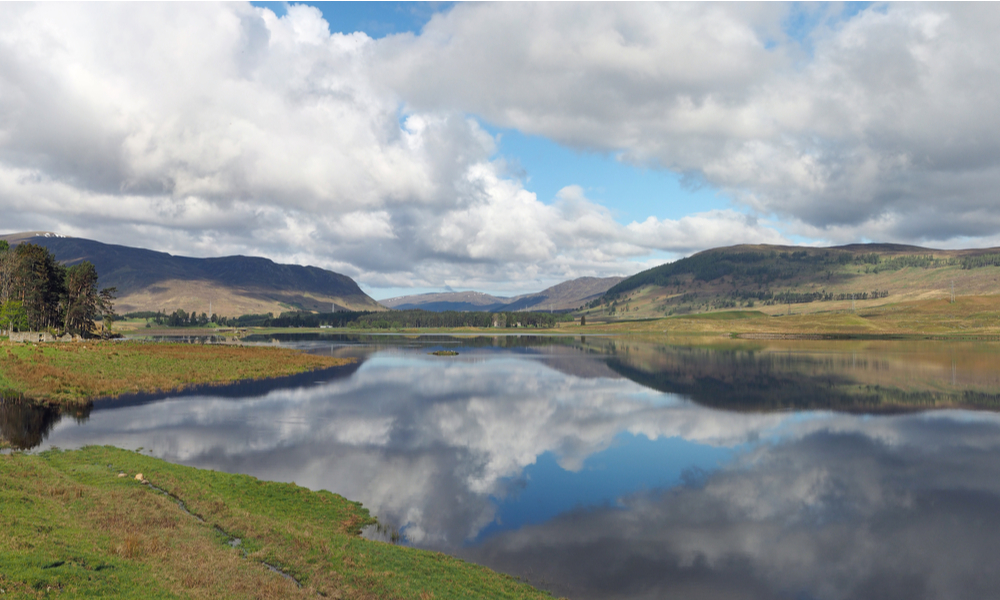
point(83, 371)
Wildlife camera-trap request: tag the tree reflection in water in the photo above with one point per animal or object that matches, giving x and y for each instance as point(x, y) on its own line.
point(621, 468)
point(25, 424)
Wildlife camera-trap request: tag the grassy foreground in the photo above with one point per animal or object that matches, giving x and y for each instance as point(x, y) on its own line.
point(77, 373)
point(73, 527)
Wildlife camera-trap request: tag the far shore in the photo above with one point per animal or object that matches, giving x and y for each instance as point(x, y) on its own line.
point(77, 372)
point(968, 317)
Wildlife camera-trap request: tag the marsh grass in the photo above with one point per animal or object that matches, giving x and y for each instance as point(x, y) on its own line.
point(73, 528)
point(75, 373)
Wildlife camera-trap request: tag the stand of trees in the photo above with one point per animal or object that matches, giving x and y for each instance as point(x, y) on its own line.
point(983, 260)
point(365, 320)
point(38, 293)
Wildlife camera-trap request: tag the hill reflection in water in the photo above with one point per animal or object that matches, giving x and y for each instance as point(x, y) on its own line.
point(873, 377)
point(543, 458)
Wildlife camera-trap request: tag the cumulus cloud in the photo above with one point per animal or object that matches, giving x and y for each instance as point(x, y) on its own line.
point(221, 128)
point(829, 505)
point(224, 129)
point(826, 515)
point(426, 445)
point(881, 125)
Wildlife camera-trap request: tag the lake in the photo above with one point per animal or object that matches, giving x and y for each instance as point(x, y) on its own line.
point(615, 467)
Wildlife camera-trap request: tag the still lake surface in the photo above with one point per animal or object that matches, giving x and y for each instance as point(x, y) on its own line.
point(612, 467)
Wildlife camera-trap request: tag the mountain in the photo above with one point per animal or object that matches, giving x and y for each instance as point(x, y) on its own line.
point(568, 295)
point(775, 279)
point(440, 302)
point(230, 285)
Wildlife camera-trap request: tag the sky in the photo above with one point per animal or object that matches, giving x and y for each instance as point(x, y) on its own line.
point(498, 147)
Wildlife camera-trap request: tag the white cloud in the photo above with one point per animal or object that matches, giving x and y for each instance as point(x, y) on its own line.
point(224, 129)
point(221, 128)
point(882, 124)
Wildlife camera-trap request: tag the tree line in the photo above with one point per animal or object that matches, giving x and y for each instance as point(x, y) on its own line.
point(395, 319)
point(38, 293)
point(181, 318)
point(983, 260)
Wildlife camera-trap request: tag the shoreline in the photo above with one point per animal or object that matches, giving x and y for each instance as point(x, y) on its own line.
point(967, 318)
point(79, 373)
point(108, 522)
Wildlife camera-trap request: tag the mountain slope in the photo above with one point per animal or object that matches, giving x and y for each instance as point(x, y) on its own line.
point(777, 279)
point(440, 302)
point(567, 295)
point(230, 285)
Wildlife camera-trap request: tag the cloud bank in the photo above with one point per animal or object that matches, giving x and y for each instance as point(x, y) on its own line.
point(881, 125)
point(218, 129)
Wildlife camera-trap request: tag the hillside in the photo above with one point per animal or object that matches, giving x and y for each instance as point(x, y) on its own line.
point(234, 285)
point(783, 279)
point(440, 302)
point(568, 295)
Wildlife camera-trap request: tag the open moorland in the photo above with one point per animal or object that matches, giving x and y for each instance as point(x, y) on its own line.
point(780, 280)
point(966, 317)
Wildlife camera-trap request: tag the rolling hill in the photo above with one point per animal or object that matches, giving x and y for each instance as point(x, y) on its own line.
point(440, 302)
point(569, 295)
point(779, 279)
point(229, 285)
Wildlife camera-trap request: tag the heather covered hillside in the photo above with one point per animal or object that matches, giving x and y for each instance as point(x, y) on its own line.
point(777, 279)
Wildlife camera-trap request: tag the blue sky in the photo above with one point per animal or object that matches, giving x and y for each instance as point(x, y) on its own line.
point(430, 152)
point(377, 19)
point(631, 193)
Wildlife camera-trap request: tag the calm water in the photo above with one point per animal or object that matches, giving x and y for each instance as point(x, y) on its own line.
point(620, 468)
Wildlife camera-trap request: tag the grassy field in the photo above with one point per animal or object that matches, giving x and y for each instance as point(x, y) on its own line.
point(967, 317)
point(79, 524)
point(79, 372)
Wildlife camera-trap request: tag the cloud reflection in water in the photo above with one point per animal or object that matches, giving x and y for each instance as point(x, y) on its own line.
point(814, 505)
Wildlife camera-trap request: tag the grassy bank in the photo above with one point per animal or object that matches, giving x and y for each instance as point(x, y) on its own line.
point(73, 527)
point(76, 373)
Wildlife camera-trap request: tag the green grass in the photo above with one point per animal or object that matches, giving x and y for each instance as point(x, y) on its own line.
point(73, 528)
point(969, 317)
point(728, 315)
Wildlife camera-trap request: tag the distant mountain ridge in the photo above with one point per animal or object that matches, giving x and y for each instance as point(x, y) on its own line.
point(568, 295)
point(780, 279)
point(442, 301)
point(229, 285)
